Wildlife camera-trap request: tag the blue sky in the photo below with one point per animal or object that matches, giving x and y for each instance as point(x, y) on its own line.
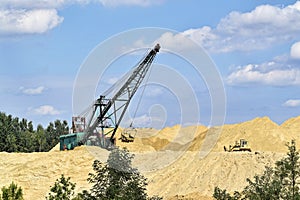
point(255, 46)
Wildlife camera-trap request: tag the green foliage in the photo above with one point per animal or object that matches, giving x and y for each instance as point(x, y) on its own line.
point(13, 192)
point(85, 195)
point(114, 180)
point(288, 172)
point(265, 186)
point(19, 135)
point(117, 179)
point(53, 131)
point(220, 194)
point(40, 137)
point(279, 183)
point(63, 189)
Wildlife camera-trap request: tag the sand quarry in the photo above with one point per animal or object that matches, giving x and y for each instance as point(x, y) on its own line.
point(178, 161)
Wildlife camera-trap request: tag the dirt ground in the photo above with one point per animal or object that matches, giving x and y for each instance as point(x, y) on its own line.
point(179, 162)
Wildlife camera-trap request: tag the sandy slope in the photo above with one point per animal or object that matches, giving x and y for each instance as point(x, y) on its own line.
point(170, 158)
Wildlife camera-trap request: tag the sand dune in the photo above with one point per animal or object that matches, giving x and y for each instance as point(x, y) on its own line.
point(170, 158)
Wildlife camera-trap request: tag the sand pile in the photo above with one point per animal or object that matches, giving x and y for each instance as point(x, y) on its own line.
point(262, 133)
point(190, 174)
point(35, 172)
point(292, 123)
point(169, 158)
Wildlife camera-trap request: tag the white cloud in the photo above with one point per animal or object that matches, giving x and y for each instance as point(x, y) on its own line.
point(40, 16)
point(292, 103)
point(173, 41)
point(260, 28)
point(145, 121)
point(32, 91)
point(45, 110)
point(142, 121)
point(28, 21)
point(29, 4)
point(275, 75)
point(295, 50)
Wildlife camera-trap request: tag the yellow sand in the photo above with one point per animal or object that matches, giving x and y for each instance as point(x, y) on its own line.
point(171, 158)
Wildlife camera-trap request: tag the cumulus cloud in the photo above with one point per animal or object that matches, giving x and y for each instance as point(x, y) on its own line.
point(40, 16)
point(46, 110)
point(253, 74)
point(33, 91)
point(292, 103)
point(279, 72)
point(173, 41)
point(28, 21)
point(30, 4)
point(295, 50)
point(30, 16)
point(260, 28)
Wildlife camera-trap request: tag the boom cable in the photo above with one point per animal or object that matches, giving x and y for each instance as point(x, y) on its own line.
point(140, 99)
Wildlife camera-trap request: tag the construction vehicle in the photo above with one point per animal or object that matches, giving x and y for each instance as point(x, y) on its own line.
point(241, 145)
point(108, 110)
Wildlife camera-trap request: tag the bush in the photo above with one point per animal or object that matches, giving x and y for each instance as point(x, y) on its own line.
point(63, 189)
point(13, 192)
point(117, 179)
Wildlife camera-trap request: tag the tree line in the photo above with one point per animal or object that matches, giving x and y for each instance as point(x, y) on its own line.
point(19, 135)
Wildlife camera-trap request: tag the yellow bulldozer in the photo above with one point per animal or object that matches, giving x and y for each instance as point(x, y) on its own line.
point(241, 145)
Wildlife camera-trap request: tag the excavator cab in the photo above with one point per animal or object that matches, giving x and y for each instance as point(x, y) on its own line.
point(244, 143)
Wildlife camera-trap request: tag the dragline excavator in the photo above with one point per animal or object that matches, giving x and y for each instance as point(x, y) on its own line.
point(108, 110)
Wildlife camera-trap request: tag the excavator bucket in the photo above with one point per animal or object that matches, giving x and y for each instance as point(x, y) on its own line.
point(128, 135)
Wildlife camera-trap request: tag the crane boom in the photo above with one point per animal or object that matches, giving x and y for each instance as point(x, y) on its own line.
point(114, 108)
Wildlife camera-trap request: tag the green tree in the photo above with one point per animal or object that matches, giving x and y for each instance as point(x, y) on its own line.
point(117, 179)
point(13, 192)
point(84, 195)
point(50, 136)
point(11, 142)
point(40, 138)
point(266, 186)
point(53, 131)
point(19, 135)
point(63, 189)
point(287, 171)
point(220, 194)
